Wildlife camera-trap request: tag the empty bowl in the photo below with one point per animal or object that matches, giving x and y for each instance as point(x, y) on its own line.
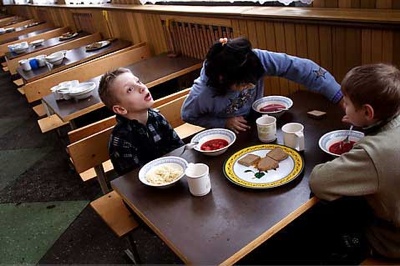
point(213, 142)
point(330, 142)
point(272, 105)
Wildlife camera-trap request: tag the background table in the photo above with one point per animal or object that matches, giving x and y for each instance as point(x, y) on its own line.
point(72, 58)
point(231, 221)
point(152, 71)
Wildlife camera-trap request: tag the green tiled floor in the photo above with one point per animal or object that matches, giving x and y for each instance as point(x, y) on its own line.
point(28, 230)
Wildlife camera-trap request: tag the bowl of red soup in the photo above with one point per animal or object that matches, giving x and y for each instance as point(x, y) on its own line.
point(333, 142)
point(214, 141)
point(274, 105)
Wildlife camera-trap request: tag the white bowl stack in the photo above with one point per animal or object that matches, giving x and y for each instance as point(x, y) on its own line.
point(19, 47)
point(56, 58)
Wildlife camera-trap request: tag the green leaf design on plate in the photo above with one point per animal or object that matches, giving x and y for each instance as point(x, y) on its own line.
point(259, 175)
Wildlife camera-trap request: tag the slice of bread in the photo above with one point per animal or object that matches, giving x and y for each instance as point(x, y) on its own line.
point(249, 160)
point(277, 154)
point(266, 164)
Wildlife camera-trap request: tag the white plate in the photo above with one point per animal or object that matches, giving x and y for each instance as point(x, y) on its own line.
point(251, 177)
point(97, 45)
point(68, 37)
point(168, 160)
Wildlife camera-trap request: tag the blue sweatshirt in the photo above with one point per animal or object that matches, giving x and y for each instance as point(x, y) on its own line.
point(204, 109)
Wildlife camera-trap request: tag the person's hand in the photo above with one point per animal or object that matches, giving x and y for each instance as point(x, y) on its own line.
point(237, 124)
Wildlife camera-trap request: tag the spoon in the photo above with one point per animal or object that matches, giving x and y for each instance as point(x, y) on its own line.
point(189, 146)
point(346, 140)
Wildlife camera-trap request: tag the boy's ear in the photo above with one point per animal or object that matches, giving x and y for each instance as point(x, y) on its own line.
point(118, 109)
point(369, 112)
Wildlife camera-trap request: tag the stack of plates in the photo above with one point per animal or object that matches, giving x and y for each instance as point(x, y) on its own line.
point(82, 91)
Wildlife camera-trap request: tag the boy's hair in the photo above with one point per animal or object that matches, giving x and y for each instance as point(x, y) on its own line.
point(377, 85)
point(106, 94)
point(232, 62)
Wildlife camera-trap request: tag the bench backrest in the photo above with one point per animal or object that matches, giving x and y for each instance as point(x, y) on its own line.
point(39, 88)
point(92, 150)
point(82, 132)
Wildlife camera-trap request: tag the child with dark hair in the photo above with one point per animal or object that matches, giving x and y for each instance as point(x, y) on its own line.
point(371, 170)
point(232, 79)
point(141, 134)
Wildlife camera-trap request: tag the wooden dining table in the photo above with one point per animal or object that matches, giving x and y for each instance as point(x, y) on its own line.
point(72, 58)
point(25, 30)
point(152, 71)
point(232, 220)
point(46, 44)
point(27, 35)
point(49, 46)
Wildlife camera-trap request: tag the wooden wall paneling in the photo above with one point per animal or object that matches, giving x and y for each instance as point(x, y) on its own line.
point(318, 3)
point(384, 4)
point(366, 48)
point(368, 3)
point(339, 53)
point(356, 3)
point(377, 46)
point(387, 49)
point(325, 48)
point(139, 33)
point(261, 38)
point(396, 4)
point(291, 49)
point(252, 33)
point(396, 52)
point(313, 45)
point(331, 3)
point(271, 83)
point(344, 3)
point(281, 47)
point(353, 48)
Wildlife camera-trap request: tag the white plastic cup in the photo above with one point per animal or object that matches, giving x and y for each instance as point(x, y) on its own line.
point(293, 136)
point(266, 128)
point(24, 63)
point(198, 177)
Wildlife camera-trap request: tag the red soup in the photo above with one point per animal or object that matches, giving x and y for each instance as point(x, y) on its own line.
point(272, 107)
point(341, 147)
point(214, 144)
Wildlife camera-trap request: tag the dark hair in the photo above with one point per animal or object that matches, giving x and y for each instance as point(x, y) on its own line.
point(231, 63)
point(377, 85)
point(105, 93)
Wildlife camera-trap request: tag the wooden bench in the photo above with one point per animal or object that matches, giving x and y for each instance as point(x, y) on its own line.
point(36, 90)
point(89, 151)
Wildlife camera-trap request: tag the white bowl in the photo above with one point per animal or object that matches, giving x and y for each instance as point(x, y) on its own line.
point(211, 134)
point(37, 42)
point(20, 49)
point(330, 138)
point(273, 100)
point(169, 161)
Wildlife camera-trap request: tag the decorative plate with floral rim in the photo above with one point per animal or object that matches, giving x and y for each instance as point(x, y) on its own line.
point(251, 177)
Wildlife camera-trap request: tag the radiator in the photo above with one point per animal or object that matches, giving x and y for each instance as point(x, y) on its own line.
point(192, 39)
